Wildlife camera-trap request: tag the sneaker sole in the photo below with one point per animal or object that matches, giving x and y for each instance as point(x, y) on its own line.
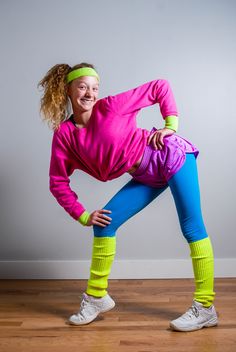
point(209, 324)
point(92, 318)
point(82, 322)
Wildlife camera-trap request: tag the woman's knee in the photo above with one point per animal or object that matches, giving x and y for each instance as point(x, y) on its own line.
point(108, 231)
point(194, 232)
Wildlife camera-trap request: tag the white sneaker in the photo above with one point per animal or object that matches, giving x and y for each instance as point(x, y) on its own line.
point(90, 308)
point(195, 318)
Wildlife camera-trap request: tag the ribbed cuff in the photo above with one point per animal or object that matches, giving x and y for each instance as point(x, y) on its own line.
point(83, 219)
point(203, 267)
point(171, 122)
point(201, 248)
point(104, 249)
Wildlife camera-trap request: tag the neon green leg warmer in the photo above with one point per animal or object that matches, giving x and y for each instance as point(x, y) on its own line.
point(203, 267)
point(104, 249)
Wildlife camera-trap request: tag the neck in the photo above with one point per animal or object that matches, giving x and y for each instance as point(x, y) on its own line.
point(81, 118)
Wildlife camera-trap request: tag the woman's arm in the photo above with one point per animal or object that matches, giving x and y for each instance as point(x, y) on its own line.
point(150, 93)
point(61, 167)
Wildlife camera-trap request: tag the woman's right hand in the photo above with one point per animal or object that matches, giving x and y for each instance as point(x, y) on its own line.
point(98, 218)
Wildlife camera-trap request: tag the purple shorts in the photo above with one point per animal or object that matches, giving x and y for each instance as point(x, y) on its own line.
point(158, 166)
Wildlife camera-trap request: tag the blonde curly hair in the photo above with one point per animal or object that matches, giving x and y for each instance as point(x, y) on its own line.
point(55, 104)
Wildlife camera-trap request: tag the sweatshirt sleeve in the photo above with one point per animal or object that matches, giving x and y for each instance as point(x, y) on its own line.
point(61, 167)
point(150, 93)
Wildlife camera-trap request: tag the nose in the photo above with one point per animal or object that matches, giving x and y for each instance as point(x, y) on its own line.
point(88, 92)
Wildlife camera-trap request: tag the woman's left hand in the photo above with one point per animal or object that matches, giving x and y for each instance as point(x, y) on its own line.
point(157, 138)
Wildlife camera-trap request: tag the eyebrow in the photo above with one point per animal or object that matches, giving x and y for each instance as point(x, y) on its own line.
point(94, 84)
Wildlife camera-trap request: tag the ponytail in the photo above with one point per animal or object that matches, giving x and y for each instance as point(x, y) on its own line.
point(54, 102)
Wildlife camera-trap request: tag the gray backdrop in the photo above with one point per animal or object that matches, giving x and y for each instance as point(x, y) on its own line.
point(190, 43)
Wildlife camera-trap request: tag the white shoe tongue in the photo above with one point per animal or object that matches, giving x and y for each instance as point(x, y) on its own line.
point(197, 304)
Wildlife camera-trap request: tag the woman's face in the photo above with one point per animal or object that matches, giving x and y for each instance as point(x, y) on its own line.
point(83, 92)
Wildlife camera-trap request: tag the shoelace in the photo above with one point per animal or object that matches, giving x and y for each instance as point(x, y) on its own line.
point(82, 306)
point(193, 311)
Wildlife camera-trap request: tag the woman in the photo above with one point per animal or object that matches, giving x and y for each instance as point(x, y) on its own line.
point(102, 139)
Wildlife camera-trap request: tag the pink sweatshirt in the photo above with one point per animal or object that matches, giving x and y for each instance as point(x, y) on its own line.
point(110, 143)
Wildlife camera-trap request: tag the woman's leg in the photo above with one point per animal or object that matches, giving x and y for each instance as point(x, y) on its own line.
point(185, 189)
point(130, 200)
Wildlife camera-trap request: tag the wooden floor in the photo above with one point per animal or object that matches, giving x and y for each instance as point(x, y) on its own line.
point(33, 317)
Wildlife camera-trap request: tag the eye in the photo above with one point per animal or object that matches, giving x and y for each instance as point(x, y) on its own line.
point(95, 88)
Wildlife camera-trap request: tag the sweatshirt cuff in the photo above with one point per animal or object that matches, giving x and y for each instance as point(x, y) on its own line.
point(171, 122)
point(83, 219)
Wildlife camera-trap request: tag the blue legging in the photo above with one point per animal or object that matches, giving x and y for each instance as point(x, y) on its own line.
point(135, 196)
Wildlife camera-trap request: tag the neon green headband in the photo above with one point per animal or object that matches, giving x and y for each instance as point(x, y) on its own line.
point(79, 72)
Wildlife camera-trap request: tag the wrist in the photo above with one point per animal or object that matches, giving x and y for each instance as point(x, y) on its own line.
point(171, 122)
point(83, 219)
